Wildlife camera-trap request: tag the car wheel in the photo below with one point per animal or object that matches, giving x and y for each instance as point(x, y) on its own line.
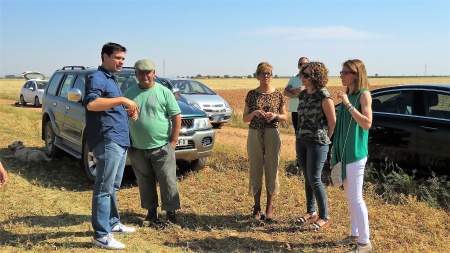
point(194, 165)
point(36, 102)
point(89, 162)
point(49, 137)
point(22, 100)
point(217, 125)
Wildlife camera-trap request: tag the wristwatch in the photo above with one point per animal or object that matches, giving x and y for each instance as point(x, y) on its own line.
point(277, 117)
point(351, 108)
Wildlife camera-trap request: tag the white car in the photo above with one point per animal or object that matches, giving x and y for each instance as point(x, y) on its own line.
point(33, 89)
point(201, 96)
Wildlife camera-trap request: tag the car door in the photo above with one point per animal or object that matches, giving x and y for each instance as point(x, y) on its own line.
point(27, 93)
point(434, 132)
point(74, 120)
point(393, 135)
point(61, 104)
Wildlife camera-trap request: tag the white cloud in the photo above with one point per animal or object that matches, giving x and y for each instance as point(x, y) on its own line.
point(314, 33)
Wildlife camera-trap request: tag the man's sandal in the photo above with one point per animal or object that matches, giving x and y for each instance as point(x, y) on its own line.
point(316, 225)
point(309, 217)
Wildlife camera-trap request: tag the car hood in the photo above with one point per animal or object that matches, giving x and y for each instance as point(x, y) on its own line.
point(188, 111)
point(205, 99)
point(33, 75)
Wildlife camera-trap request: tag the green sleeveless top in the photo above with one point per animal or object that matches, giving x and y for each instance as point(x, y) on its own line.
point(356, 147)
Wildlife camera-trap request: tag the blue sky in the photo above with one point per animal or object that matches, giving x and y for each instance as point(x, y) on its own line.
point(218, 37)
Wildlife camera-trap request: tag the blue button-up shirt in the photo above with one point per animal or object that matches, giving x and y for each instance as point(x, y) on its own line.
point(111, 124)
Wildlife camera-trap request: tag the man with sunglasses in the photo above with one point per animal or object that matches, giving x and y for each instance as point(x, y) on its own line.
point(292, 90)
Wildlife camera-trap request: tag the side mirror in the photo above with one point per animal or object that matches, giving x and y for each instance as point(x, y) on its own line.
point(176, 92)
point(74, 95)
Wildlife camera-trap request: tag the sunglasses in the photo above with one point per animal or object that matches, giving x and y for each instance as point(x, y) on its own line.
point(305, 75)
point(265, 74)
point(344, 73)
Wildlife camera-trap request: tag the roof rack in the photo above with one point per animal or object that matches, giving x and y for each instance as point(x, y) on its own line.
point(74, 67)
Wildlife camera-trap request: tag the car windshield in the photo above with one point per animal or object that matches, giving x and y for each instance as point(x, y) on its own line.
point(192, 87)
point(126, 80)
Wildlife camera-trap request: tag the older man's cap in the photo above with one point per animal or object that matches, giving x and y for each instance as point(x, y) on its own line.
point(144, 65)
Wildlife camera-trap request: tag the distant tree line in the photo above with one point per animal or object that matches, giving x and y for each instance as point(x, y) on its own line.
point(13, 77)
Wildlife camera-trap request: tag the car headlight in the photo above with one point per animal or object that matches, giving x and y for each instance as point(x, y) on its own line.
point(226, 104)
point(193, 103)
point(202, 123)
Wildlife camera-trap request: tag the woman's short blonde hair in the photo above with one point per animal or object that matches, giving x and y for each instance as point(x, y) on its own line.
point(263, 67)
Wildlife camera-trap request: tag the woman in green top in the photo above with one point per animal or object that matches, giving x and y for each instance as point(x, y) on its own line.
point(354, 118)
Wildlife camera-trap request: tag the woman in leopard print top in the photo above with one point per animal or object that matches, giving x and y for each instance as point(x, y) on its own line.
point(264, 108)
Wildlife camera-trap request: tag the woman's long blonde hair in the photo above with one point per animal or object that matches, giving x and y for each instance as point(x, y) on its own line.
point(361, 80)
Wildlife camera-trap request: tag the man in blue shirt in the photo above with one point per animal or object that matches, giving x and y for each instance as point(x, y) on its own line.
point(108, 138)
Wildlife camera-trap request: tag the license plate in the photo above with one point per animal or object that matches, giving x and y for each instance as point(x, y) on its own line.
point(182, 142)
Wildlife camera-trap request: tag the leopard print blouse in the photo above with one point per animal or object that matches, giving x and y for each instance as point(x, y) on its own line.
point(272, 102)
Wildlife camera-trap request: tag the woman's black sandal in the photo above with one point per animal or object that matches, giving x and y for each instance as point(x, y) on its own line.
point(302, 220)
point(256, 212)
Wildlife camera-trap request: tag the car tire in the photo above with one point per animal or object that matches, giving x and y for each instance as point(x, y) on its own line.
point(22, 100)
point(194, 165)
point(36, 102)
point(51, 150)
point(88, 162)
point(217, 125)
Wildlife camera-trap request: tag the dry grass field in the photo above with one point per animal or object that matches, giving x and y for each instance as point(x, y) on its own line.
point(46, 207)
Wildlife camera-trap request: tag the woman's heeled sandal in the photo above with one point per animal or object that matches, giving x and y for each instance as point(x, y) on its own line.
point(309, 217)
point(316, 226)
point(256, 212)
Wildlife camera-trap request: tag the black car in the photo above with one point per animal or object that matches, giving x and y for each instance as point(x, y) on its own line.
point(411, 127)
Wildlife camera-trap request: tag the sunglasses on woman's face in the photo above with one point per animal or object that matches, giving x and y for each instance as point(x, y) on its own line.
point(344, 73)
point(265, 74)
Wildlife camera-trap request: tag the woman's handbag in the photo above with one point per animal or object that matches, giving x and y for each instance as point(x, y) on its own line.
point(336, 172)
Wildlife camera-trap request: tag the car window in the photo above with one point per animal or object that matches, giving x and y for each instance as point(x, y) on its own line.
point(397, 102)
point(437, 105)
point(41, 85)
point(79, 84)
point(53, 85)
point(66, 85)
point(184, 86)
point(26, 85)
